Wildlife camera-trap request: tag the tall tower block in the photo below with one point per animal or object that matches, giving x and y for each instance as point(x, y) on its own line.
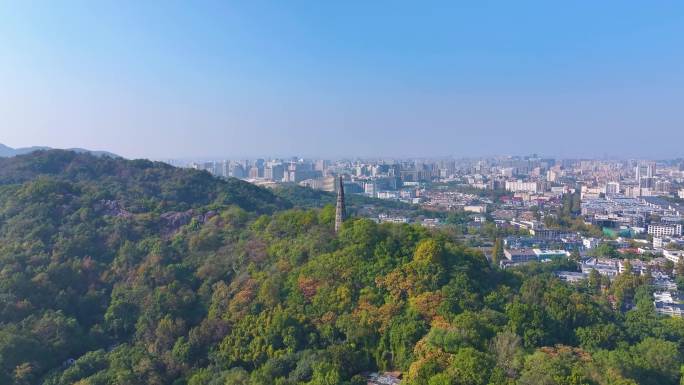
point(340, 209)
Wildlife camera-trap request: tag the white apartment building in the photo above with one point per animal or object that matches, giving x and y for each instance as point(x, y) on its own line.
point(673, 255)
point(591, 192)
point(670, 309)
point(665, 230)
point(591, 243)
point(478, 209)
point(521, 186)
point(662, 242)
point(612, 188)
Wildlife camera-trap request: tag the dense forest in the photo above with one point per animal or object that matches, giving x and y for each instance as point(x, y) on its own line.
point(134, 272)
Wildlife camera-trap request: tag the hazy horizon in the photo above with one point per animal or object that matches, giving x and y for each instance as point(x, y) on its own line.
point(388, 79)
point(276, 155)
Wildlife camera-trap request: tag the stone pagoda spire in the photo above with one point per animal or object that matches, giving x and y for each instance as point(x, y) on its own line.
point(340, 210)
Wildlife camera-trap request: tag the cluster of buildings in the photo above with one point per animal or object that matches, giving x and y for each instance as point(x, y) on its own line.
point(623, 197)
point(652, 215)
point(667, 299)
point(668, 303)
point(529, 181)
point(293, 170)
point(534, 178)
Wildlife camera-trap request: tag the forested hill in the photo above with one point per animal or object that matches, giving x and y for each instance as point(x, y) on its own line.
point(138, 185)
point(136, 273)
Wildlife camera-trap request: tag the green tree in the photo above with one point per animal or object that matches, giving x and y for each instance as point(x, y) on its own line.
point(507, 350)
point(497, 252)
point(679, 267)
point(595, 281)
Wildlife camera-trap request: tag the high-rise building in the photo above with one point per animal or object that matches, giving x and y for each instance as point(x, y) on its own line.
point(661, 229)
point(237, 170)
point(645, 170)
point(551, 176)
point(321, 165)
point(663, 186)
point(274, 172)
point(299, 171)
point(612, 188)
point(254, 172)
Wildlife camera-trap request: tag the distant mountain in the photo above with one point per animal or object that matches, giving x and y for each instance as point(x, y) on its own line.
point(6, 151)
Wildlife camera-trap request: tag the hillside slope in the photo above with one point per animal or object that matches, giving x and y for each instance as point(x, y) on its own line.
point(133, 272)
point(138, 185)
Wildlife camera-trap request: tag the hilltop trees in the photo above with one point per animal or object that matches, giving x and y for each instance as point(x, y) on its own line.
point(132, 272)
point(497, 252)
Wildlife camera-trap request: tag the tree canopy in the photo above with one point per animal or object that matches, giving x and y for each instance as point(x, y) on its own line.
point(135, 272)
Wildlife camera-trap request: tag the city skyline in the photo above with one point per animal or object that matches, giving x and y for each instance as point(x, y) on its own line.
point(184, 160)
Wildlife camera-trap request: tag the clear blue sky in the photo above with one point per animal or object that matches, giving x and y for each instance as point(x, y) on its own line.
point(180, 79)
